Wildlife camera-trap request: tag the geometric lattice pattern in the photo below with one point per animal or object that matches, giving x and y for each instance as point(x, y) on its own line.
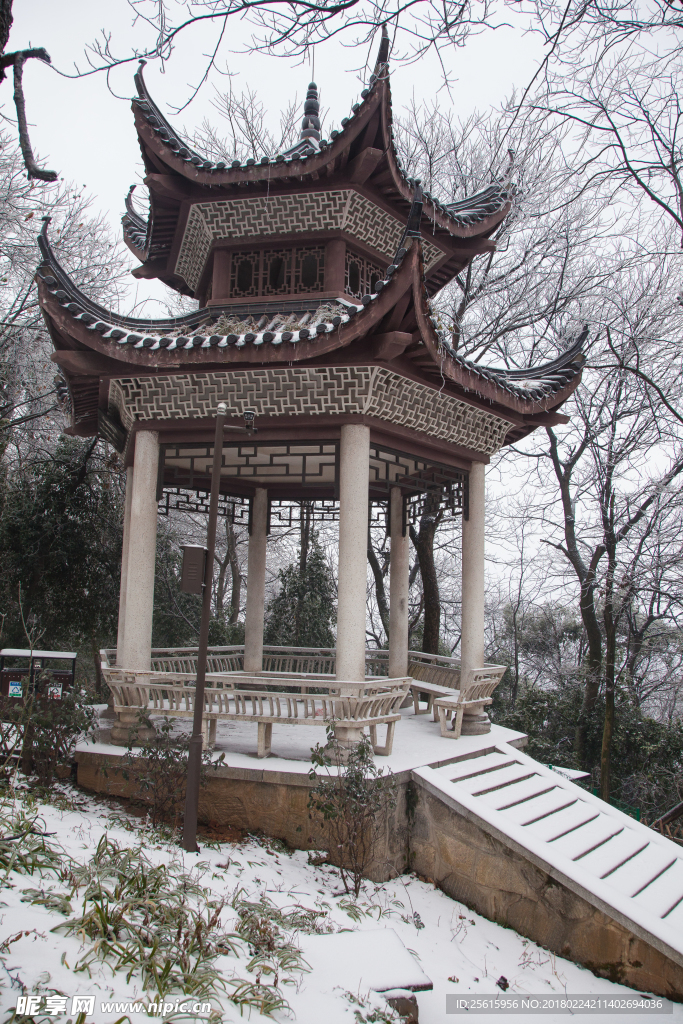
point(311, 391)
point(188, 465)
point(241, 283)
point(361, 275)
point(236, 509)
point(239, 219)
point(277, 272)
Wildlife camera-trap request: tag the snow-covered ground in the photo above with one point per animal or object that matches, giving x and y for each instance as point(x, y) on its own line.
point(457, 949)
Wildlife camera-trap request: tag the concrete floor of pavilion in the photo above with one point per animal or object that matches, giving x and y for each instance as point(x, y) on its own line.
point(417, 743)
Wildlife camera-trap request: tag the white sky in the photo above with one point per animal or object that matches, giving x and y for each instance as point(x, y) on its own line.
point(87, 135)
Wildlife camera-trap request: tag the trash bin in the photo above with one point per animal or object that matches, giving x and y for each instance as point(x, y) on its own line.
point(17, 665)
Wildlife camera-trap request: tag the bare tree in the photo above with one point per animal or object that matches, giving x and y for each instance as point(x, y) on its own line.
point(248, 134)
point(30, 398)
point(627, 119)
point(292, 28)
point(16, 60)
point(616, 471)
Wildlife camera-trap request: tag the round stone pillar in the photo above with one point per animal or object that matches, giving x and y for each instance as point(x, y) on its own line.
point(124, 566)
point(475, 720)
point(472, 642)
point(256, 583)
point(399, 576)
point(141, 557)
point(353, 539)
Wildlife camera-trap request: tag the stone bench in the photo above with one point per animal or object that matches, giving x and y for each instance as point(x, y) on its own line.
point(431, 691)
point(468, 704)
point(349, 712)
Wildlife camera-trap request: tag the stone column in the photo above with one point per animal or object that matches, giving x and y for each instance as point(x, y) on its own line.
point(353, 539)
point(124, 566)
point(256, 583)
point(399, 571)
point(141, 556)
point(472, 639)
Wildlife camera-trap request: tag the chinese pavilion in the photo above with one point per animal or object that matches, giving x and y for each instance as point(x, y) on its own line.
point(313, 271)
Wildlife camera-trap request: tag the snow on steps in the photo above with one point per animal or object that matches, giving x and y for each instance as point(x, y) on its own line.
point(623, 868)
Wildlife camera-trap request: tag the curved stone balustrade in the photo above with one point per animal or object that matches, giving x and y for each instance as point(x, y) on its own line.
point(305, 671)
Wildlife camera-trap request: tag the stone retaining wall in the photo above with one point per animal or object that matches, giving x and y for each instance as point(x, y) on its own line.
point(426, 835)
point(482, 872)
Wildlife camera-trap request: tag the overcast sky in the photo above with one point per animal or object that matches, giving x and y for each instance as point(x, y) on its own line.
point(84, 127)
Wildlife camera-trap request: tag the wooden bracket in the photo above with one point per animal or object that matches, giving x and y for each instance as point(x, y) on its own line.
point(362, 166)
point(389, 346)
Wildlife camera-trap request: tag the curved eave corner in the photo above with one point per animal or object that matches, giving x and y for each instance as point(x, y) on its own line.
point(156, 133)
point(175, 343)
point(121, 344)
point(135, 229)
point(545, 387)
point(474, 217)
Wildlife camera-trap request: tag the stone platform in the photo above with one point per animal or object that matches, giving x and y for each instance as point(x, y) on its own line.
point(417, 744)
point(270, 795)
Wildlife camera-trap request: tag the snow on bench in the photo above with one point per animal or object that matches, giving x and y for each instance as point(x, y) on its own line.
point(622, 867)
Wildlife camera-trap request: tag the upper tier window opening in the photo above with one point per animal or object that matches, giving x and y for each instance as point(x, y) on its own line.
point(277, 272)
point(361, 276)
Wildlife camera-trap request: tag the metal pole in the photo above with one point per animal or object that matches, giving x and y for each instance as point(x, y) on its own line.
point(194, 756)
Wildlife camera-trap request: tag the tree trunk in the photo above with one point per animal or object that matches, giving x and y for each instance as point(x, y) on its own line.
point(220, 584)
point(586, 576)
point(515, 641)
point(593, 665)
point(304, 544)
point(236, 590)
point(380, 590)
point(610, 619)
point(5, 23)
point(608, 727)
point(424, 546)
point(98, 667)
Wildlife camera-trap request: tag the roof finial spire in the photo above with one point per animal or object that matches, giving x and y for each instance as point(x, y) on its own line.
point(310, 125)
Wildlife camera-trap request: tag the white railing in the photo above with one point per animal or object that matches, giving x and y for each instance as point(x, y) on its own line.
point(299, 666)
point(290, 660)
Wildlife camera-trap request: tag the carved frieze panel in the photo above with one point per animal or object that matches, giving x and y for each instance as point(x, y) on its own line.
point(240, 219)
point(308, 391)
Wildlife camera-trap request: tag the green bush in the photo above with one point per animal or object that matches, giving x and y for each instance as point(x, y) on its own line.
point(647, 756)
point(40, 731)
point(158, 770)
point(351, 801)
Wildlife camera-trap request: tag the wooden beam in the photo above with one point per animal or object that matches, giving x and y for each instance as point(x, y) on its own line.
point(362, 166)
point(548, 419)
point(150, 270)
point(387, 346)
point(168, 186)
point(89, 363)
